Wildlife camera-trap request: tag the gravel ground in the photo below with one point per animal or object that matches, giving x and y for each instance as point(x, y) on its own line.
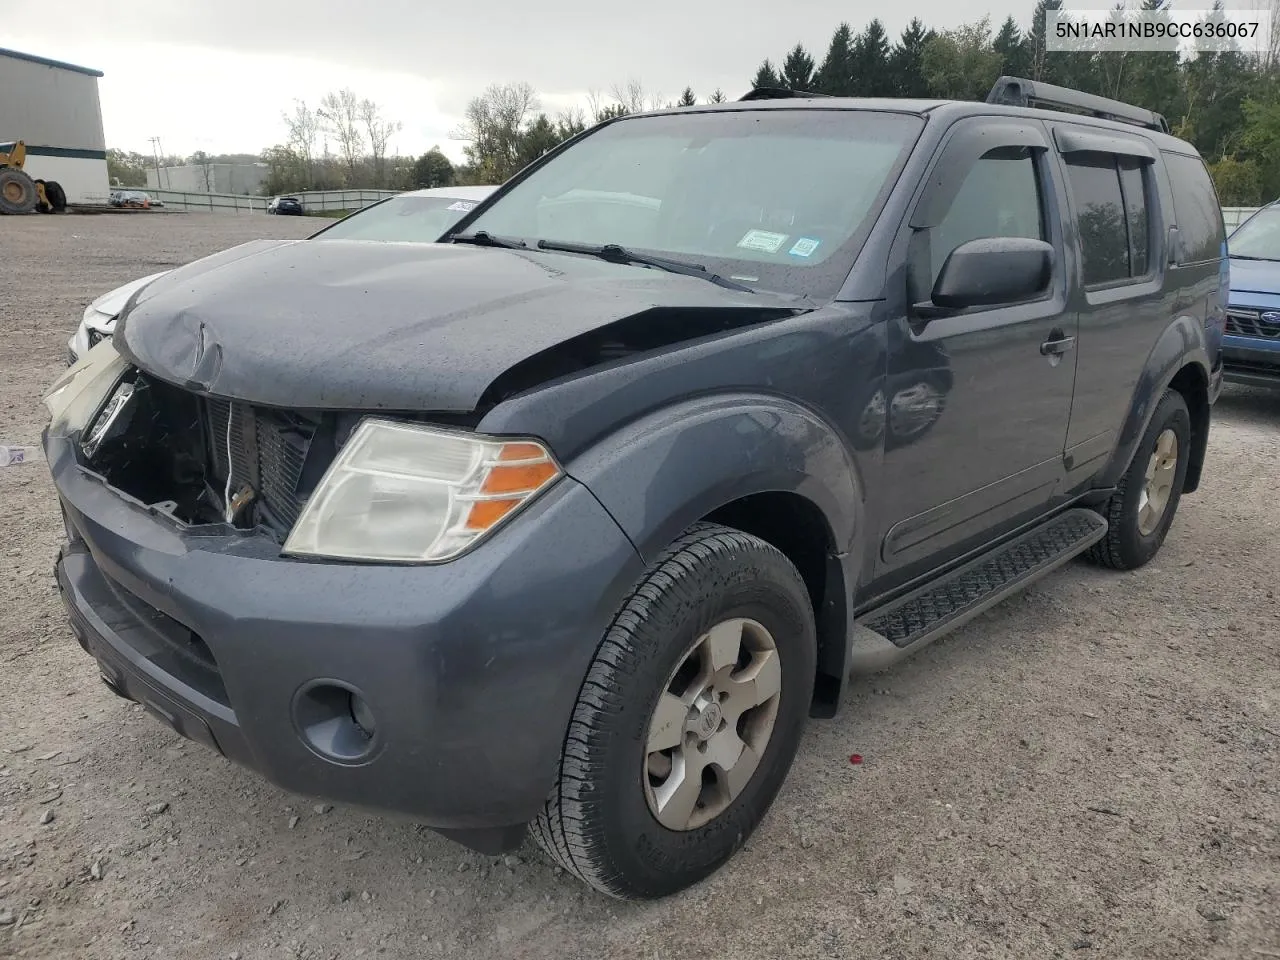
point(1088, 770)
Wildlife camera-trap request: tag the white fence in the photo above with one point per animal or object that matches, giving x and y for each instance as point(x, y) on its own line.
point(1234, 216)
point(233, 203)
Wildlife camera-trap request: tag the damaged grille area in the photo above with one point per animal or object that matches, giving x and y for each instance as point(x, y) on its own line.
point(175, 452)
point(268, 452)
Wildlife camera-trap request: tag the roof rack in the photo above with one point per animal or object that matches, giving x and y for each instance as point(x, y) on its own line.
point(1017, 92)
point(780, 93)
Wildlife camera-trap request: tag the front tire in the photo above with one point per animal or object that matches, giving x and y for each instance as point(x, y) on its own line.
point(688, 720)
point(1141, 510)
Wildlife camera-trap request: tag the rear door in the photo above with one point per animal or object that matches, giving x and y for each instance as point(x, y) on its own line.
point(998, 380)
point(1121, 253)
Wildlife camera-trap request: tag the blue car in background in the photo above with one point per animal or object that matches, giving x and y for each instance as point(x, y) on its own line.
point(1251, 345)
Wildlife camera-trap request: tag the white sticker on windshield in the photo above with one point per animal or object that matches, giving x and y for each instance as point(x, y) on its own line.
point(762, 240)
point(463, 205)
point(804, 247)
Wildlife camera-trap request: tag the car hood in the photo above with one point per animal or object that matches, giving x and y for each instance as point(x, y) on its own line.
point(1255, 276)
point(101, 314)
point(397, 326)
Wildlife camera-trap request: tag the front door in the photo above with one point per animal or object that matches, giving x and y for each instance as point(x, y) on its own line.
point(978, 402)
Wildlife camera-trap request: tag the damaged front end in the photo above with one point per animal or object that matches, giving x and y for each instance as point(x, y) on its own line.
point(196, 459)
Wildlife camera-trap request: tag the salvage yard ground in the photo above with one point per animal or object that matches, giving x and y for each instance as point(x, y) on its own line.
point(1091, 769)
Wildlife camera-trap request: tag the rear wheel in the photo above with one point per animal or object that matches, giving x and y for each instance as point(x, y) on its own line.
point(17, 192)
point(56, 195)
point(688, 720)
point(1141, 510)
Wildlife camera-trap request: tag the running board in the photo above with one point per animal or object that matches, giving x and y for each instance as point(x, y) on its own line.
point(885, 635)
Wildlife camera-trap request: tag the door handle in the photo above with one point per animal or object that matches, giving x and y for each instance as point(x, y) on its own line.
point(1056, 345)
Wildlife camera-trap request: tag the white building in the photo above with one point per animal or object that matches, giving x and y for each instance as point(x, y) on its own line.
point(238, 178)
point(54, 108)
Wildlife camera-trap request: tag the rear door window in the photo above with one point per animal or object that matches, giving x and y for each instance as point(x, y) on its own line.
point(1110, 195)
point(1195, 204)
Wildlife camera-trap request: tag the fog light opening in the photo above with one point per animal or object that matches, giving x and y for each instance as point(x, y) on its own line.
point(362, 715)
point(335, 722)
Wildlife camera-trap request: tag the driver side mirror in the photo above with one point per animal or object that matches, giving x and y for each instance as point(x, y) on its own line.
point(992, 271)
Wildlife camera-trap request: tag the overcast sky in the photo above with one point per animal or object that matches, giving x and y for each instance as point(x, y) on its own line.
point(216, 76)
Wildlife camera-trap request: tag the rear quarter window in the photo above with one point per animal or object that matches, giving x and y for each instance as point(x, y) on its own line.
point(1195, 204)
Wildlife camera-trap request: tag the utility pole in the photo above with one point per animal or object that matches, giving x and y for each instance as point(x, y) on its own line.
point(155, 154)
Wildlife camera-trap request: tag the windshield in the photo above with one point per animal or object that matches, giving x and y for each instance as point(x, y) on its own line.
point(1259, 237)
point(407, 219)
point(777, 198)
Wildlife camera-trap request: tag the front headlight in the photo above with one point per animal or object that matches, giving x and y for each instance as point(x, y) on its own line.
point(401, 492)
point(76, 395)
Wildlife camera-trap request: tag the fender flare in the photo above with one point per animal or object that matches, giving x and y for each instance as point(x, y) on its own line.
point(1181, 345)
point(660, 474)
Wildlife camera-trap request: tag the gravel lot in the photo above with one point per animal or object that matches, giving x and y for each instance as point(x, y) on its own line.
point(1091, 769)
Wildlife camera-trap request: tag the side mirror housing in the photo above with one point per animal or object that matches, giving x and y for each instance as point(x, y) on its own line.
point(992, 271)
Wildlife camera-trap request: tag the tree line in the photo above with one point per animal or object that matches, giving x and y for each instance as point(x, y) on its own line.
point(1226, 103)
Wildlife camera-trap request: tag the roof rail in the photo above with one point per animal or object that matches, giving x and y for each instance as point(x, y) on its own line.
point(780, 93)
point(1017, 92)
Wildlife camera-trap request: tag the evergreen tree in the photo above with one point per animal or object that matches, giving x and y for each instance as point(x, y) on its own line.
point(835, 76)
point(870, 55)
point(1014, 50)
point(766, 76)
point(687, 99)
point(717, 96)
point(906, 62)
point(797, 69)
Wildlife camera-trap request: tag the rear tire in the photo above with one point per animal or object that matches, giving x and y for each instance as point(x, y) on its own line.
point(56, 195)
point(601, 821)
point(17, 192)
point(1141, 510)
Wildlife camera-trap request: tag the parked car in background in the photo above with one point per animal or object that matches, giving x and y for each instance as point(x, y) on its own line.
point(1251, 347)
point(560, 526)
point(420, 216)
point(133, 198)
point(285, 206)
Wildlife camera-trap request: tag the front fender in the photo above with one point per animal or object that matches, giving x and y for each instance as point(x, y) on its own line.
point(1181, 344)
point(660, 474)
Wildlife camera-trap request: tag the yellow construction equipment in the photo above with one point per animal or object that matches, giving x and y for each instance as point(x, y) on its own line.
point(21, 194)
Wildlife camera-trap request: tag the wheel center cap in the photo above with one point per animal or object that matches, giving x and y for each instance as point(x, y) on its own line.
point(708, 720)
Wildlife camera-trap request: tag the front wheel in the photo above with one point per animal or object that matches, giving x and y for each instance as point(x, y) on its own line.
point(688, 720)
point(1141, 510)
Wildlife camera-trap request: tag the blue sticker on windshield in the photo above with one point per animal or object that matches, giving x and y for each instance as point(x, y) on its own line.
point(804, 247)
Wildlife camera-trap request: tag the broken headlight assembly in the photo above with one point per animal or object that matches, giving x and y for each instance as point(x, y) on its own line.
point(407, 493)
point(78, 393)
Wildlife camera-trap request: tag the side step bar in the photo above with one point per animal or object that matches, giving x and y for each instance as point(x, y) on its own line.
point(893, 632)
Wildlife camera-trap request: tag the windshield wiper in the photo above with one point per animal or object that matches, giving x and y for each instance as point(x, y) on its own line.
point(615, 253)
point(1241, 256)
point(483, 238)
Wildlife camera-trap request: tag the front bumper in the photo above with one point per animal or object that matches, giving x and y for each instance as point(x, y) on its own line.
point(1251, 361)
point(470, 669)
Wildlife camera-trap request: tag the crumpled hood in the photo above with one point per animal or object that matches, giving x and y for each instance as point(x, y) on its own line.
point(366, 325)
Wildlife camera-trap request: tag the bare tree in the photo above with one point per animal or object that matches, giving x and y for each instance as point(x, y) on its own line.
point(304, 128)
point(631, 96)
point(492, 129)
point(379, 131)
point(341, 112)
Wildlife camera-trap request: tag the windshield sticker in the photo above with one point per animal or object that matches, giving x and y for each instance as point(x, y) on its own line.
point(762, 240)
point(804, 247)
point(463, 205)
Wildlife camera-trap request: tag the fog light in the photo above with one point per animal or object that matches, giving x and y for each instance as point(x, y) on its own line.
point(335, 722)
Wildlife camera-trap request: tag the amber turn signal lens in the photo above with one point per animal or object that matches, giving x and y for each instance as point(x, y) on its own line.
point(485, 513)
point(518, 479)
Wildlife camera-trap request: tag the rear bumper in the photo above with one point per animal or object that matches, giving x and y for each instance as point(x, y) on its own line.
point(469, 669)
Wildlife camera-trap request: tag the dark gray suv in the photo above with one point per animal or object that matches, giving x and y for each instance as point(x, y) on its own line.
point(573, 519)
